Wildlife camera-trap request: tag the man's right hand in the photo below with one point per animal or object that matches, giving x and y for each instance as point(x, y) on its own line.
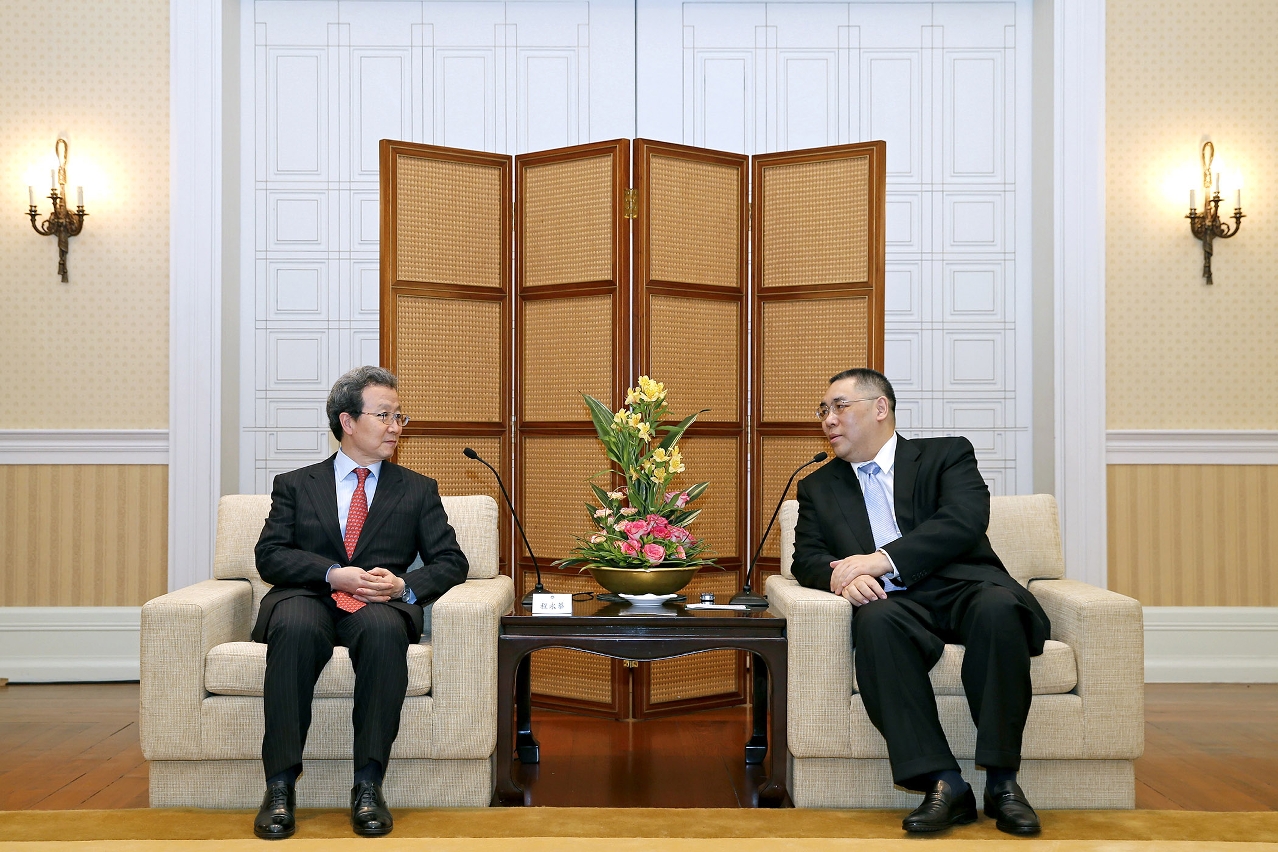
point(864, 589)
point(360, 584)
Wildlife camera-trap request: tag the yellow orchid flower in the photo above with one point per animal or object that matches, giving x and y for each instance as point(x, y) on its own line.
point(660, 455)
point(645, 431)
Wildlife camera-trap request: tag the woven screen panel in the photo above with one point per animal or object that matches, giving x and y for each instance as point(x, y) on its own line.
point(696, 354)
point(778, 457)
point(715, 460)
point(448, 222)
point(449, 358)
point(694, 676)
point(805, 342)
point(568, 349)
point(567, 210)
point(555, 478)
point(816, 219)
point(695, 222)
point(440, 457)
point(565, 673)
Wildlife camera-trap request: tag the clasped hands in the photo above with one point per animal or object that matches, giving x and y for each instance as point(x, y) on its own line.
point(376, 585)
point(856, 577)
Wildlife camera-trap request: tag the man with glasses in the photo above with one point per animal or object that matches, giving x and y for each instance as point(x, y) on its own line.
point(897, 527)
point(337, 548)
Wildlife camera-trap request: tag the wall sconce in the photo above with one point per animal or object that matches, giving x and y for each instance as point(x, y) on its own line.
point(1207, 226)
point(61, 223)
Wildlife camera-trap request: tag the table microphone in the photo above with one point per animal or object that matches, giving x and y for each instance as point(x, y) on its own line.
point(538, 589)
point(745, 597)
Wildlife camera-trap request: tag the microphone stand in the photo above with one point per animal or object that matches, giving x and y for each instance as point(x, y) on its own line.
point(746, 597)
point(538, 589)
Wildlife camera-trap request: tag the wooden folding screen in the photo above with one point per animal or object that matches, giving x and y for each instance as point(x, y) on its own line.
point(690, 308)
point(818, 303)
point(572, 336)
point(446, 310)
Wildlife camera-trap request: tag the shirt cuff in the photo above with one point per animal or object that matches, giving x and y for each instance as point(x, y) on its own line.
point(411, 595)
point(892, 576)
point(330, 571)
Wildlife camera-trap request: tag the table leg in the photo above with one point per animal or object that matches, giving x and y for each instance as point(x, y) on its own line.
point(757, 748)
point(525, 743)
point(775, 793)
point(507, 792)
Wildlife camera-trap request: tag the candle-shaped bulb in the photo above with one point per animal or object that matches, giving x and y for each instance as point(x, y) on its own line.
point(1193, 199)
point(31, 194)
point(53, 178)
point(1237, 199)
point(1217, 182)
point(79, 196)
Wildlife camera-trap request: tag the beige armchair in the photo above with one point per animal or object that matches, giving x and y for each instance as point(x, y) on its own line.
point(1086, 722)
point(201, 683)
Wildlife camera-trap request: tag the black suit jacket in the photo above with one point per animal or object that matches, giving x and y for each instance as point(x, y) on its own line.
point(302, 538)
point(942, 508)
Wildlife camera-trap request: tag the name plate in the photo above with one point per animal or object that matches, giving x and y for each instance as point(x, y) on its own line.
point(550, 604)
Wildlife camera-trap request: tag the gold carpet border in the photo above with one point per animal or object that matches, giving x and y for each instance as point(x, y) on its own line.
point(1162, 827)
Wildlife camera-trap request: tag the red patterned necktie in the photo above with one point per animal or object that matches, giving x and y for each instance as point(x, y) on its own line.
point(354, 523)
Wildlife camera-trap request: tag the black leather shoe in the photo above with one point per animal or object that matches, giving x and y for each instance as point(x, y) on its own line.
point(942, 809)
point(275, 818)
point(1006, 803)
point(369, 815)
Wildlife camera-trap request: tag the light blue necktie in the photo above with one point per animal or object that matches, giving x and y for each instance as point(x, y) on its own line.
point(882, 519)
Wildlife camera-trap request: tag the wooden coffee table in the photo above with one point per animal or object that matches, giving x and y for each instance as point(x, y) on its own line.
point(634, 633)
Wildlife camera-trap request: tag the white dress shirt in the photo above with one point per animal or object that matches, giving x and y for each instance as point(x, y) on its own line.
point(886, 460)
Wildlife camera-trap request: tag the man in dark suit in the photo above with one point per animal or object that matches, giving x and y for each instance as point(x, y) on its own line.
point(337, 547)
point(897, 527)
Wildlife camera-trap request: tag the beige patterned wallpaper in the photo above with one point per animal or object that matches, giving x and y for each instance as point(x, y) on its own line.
point(1180, 354)
point(95, 350)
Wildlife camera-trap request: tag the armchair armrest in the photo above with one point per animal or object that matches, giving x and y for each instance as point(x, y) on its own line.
point(464, 627)
point(1106, 632)
point(819, 658)
point(178, 630)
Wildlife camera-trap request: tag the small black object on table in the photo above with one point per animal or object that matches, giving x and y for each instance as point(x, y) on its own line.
point(648, 633)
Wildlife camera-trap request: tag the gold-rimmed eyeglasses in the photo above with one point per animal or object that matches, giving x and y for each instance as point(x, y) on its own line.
point(839, 406)
point(389, 417)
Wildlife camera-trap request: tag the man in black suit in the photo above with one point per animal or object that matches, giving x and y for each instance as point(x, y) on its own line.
point(337, 547)
point(897, 527)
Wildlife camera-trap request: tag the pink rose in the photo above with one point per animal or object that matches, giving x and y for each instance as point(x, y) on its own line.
point(682, 501)
point(628, 547)
point(636, 528)
point(654, 553)
point(680, 534)
point(679, 552)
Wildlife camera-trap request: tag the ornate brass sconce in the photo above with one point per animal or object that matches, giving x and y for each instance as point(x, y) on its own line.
point(61, 223)
point(1207, 226)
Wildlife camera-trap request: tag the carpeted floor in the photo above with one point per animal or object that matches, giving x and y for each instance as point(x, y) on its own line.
point(631, 830)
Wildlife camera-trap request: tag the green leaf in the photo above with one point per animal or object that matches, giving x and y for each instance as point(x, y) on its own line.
point(601, 495)
point(601, 415)
point(677, 431)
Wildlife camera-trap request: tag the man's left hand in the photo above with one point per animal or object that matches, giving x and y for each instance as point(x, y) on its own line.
point(396, 586)
point(862, 564)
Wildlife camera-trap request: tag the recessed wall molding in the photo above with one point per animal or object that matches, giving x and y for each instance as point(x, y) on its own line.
point(84, 446)
point(1191, 446)
point(1211, 644)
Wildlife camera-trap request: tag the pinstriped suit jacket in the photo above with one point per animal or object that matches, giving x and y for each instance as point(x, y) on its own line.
point(302, 538)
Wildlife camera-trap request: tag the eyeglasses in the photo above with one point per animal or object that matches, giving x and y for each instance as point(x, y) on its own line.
point(388, 417)
point(840, 405)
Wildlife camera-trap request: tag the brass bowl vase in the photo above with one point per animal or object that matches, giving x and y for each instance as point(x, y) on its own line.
point(641, 581)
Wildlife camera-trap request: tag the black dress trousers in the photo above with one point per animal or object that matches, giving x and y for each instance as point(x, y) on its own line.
point(299, 643)
point(900, 639)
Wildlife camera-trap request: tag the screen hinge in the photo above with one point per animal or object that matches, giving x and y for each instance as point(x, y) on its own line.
point(630, 204)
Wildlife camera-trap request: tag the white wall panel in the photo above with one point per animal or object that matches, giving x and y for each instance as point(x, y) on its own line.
point(322, 83)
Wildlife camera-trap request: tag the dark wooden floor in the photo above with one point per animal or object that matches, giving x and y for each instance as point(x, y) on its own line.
point(1207, 747)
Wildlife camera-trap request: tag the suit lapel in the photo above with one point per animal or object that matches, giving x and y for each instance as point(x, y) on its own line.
point(390, 490)
point(852, 503)
point(321, 488)
point(905, 469)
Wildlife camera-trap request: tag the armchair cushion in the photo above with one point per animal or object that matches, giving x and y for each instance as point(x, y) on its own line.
point(238, 668)
point(1051, 673)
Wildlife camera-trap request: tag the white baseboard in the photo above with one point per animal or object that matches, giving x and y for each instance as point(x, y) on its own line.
point(1190, 446)
point(84, 446)
point(47, 644)
point(1211, 644)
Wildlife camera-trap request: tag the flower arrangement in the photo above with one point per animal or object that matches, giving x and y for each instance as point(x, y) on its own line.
point(644, 524)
